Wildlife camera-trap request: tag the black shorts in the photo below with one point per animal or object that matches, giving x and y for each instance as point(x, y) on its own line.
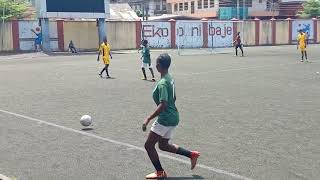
point(238, 46)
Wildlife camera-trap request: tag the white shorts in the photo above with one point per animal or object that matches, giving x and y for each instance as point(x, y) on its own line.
point(146, 65)
point(165, 132)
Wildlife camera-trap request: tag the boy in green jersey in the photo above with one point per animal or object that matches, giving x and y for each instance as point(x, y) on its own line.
point(162, 129)
point(146, 60)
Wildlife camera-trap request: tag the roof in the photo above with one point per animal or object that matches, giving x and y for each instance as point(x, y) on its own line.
point(122, 12)
point(166, 17)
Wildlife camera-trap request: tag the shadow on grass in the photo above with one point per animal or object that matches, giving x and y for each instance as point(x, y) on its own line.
point(87, 129)
point(182, 178)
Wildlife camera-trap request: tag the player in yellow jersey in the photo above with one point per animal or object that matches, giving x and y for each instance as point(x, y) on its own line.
point(105, 50)
point(302, 44)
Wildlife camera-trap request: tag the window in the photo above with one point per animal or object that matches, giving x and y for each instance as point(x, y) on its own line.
point(180, 6)
point(248, 3)
point(186, 6)
point(164, 7)
point(199, 4)
point(205, 4)
point(192, 7)
point(260, 1)
point(211, 3)
point(175, 7)
point(158, 7)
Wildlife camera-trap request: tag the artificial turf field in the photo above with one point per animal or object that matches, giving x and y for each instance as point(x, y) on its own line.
point(253, 117)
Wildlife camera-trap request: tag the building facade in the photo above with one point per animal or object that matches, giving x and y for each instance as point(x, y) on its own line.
point(241, 9)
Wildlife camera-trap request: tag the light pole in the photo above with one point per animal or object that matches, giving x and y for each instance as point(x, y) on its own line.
point(238, 12)
point(243, 10)
point(146, 7)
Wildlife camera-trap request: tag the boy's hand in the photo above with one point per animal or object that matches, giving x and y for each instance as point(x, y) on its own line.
point(145, 124)
point(144, 127)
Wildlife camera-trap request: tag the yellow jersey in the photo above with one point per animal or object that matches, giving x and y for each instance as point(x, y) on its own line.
point(105, 50)
point(302, 39)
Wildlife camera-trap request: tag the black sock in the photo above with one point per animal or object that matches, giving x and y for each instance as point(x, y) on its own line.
point(107, 69)
point(184, 152)
point(157, 165)
point(144, 73)
point(102, 70)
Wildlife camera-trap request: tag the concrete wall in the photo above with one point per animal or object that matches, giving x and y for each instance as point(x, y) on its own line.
point(84, 34)
point(248, 32)
point(157, 33)
point(6, 42)
point(265, 35)
point(128, 35)
point(121, 35)
point(282, 29)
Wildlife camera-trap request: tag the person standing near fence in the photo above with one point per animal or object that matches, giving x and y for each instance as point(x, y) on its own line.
point(38, 39)
point(302, 44)
point(238, 44)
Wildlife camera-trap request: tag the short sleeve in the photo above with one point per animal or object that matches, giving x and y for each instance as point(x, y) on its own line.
point(163, 93)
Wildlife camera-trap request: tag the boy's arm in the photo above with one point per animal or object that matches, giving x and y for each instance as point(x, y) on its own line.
point(32, 30)
point(161, 107)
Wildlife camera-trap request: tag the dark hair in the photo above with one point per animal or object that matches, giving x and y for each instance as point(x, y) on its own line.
point(145, 42)
point(164, 60)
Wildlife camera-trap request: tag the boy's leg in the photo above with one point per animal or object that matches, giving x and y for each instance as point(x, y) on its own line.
point(305, 55)
point(241, 49)
point(151, 70)
point(35, 46)
point(236, 50)
point(107, 70)
point(102, 71)
point(144, 73)
point(149, 145)
point(74, 50)
point(172, 148)
point(302, 55)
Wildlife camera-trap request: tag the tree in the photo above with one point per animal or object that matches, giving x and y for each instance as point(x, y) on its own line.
point(139, 13)
point(12, 9)
point(311, 8)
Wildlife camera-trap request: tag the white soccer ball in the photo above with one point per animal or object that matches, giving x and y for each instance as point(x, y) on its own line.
point(86, 120)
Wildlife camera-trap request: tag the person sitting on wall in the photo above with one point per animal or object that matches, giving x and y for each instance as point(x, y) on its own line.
point(72, 48)
point(38, 39)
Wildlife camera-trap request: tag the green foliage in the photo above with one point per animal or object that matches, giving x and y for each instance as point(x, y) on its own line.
point(311, 9)
point(12, 9)
point(139, 13)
